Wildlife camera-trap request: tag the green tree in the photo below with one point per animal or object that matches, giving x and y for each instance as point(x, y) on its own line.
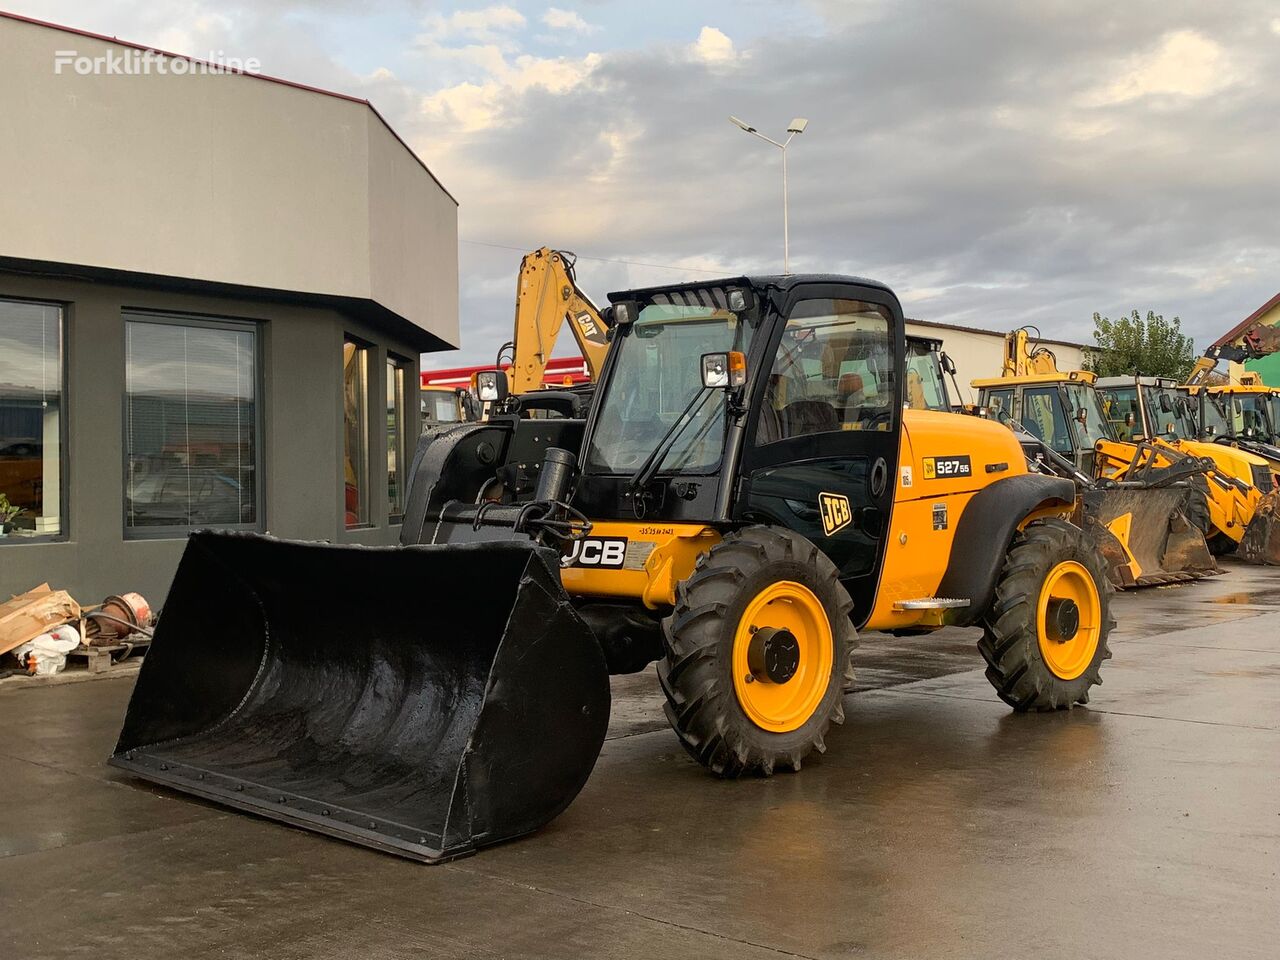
point(1154, 347)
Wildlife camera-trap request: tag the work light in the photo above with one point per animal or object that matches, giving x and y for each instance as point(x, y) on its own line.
point(721, 370)
point(490, 385)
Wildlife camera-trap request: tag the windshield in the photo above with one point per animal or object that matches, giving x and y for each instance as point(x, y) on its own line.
point(1120, 403)
point(926, 389)
point(1215, 423)
point(1249, 413)
point(1176, 421)
point(656, 374)
point(1094, 427)
point(439, 406)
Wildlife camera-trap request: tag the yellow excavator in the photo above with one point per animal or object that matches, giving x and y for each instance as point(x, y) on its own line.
point(746, 494)
point(1146, 506)
point(547, 299)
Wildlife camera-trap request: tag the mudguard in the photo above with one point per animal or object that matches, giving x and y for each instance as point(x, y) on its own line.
point(985, 530)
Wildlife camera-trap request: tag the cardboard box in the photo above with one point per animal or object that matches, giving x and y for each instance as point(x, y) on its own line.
point(30, 614)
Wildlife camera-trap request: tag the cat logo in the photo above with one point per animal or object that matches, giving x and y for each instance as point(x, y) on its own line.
point(836, 514)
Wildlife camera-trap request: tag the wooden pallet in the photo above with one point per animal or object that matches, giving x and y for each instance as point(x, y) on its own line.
point(102, 659)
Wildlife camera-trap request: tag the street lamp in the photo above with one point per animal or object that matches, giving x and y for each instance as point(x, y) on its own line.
point(796, 126)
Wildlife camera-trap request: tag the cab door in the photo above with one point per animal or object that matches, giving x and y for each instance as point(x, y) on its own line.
point(821, 448)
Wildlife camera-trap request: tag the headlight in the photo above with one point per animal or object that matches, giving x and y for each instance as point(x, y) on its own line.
point(489, 385)
point(721, 370)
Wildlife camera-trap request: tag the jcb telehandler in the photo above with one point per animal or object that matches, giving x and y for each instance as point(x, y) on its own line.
point(747, 492)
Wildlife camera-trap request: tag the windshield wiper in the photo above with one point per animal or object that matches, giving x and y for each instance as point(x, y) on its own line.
point(640, 479)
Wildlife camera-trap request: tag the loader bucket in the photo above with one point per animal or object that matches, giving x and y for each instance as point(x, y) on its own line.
point(1146, 535)
point(424, 700)
point(1261, 540)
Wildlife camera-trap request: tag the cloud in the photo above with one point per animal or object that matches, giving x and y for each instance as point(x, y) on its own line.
point(569, 20)
point(712, 46)
point(1186, 64)
point(996, 163)
point(487, 23)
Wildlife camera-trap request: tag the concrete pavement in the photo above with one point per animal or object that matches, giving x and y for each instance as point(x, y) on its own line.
point(937, 825)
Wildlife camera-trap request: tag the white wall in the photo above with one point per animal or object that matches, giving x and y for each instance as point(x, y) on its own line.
point(223, 178)
point(979, 353)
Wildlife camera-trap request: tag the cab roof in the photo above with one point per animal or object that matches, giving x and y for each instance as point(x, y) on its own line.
point(1032, 379)
point(759, 283)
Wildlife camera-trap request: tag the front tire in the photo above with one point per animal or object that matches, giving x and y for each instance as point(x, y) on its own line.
point(1045, 637)
point(757, 653)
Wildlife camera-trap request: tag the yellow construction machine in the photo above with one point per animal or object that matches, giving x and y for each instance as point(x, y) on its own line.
point(1156, 410)
point(747, 493)
point(1147, 506)
point(547, 299)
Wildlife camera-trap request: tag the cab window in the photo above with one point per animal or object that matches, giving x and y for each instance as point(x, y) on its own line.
point(999, 404)
point(833, 371)
point(1119, 405)
point(1044, 418)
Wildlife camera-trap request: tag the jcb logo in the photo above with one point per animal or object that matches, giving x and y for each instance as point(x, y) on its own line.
point(610, 553)
point(836, 514)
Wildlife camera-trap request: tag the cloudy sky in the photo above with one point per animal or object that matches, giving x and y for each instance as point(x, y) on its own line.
point(996, 163)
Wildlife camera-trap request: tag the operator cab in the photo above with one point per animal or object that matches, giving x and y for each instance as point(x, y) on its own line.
point(1062, 410)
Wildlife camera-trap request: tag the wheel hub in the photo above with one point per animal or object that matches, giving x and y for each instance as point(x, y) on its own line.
point(1062, 619)
point(773, 655)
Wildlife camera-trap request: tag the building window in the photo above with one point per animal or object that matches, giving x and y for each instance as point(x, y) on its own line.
point(31, 421)
point(355, 432)
point(397, 452)
point(191, 425)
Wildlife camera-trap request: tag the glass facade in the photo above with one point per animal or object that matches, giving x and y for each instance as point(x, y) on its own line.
point(397, 452)
point(355, 433)
point(31, 420)
point(191, 425)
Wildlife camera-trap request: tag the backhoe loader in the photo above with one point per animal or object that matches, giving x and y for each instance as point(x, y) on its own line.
point(1242, 485)
point(747, 493)
point(547, 299)
point(1147, 507)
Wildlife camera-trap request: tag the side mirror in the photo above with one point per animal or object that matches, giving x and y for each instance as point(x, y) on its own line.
point(722, 371)
point(948, 365)
point(490, 385)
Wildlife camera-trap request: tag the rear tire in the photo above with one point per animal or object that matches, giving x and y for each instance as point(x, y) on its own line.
point(1033, 663)
point(722, 719)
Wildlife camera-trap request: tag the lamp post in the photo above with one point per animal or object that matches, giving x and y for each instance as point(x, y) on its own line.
point(796, 126)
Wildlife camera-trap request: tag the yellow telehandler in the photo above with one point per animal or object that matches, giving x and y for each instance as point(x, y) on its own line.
point(747, 492)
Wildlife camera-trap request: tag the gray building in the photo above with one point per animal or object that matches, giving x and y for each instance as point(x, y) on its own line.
point(214, 289)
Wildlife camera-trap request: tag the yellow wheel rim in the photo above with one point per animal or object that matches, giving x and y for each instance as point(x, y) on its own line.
point(1068, 620)
point(786, 706)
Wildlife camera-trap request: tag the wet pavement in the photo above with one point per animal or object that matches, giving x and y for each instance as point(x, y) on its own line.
point(937, 825)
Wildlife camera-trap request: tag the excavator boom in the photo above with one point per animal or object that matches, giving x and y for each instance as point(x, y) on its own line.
point(548, 298)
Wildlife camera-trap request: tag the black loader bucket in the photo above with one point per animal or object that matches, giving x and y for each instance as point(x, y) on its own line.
point(1147, 535)
point(425, 701)
point(1261, 540)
